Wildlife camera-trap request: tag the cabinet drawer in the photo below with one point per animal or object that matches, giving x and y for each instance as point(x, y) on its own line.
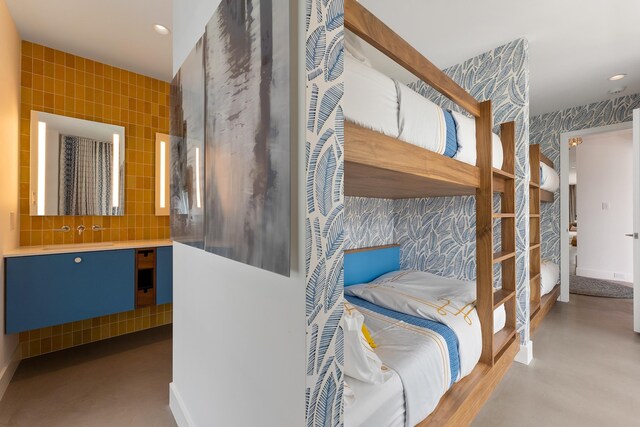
point(47, 290)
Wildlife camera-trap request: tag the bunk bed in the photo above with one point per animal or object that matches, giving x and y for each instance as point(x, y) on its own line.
point(378, 165)
point(542, 295)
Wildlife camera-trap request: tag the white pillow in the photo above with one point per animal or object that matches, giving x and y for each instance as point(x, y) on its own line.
point(360, 361)
point(549, 276)
point(353, 46)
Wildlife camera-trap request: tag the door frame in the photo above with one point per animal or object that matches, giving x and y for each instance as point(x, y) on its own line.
point(564, 197)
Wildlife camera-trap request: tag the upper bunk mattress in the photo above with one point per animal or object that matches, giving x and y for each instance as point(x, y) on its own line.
point(379, 103)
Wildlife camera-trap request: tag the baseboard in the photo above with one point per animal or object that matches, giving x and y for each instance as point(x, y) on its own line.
point(525, 355)
point(600, 274)
point(7, 372)
point(178, 409)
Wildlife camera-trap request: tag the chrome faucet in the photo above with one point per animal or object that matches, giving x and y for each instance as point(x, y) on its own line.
point(81, 229)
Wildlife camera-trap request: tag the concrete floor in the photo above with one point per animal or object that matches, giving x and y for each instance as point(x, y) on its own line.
point(585, 372)
point(122, 381)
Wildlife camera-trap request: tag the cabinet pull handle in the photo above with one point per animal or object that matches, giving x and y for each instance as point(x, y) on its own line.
point(77, 260)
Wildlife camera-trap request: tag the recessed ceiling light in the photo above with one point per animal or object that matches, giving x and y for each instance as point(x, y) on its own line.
point(617, 77)
point(617, 90)
point(161, 29)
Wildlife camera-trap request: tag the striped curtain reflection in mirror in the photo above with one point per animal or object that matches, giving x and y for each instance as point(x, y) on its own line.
point(85, 176)
point(572, 204)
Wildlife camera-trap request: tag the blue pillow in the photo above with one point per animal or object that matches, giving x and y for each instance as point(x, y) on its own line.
point(452, 136)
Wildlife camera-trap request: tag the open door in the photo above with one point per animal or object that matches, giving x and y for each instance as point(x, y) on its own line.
point(636, 220)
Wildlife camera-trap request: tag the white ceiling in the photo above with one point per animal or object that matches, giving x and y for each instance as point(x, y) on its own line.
point(575, 45)
point(115, 32)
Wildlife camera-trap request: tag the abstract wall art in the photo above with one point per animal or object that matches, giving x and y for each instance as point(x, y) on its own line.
point(231, 163)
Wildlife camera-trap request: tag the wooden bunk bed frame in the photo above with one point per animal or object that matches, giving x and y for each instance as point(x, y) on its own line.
point(383, 167)
point(539, 305)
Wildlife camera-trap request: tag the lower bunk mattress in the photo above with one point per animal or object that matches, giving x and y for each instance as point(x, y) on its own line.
point(424, 357)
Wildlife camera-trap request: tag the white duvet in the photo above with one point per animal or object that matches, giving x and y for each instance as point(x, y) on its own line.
point(421, 359)
point(429, 296)
point(374, 101)
point(371, 98)
point(549, 178)
point(549, 276)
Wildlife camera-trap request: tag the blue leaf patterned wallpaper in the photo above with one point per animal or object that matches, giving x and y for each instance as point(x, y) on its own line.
point(546, 130)
point(438, 235)
point(324, 224)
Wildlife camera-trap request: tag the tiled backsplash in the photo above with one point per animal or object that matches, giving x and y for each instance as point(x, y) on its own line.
point(54, 338)
point(60, 83)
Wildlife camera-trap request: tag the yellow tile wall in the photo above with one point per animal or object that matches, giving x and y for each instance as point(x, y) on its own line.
point(54, 338)
point(60, 83)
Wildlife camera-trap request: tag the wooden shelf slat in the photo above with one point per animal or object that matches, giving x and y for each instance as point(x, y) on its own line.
point(502, 339)
point(546, 304)
point(503, 174)
point(534, 307)
point(534, 184)
point(534, 215)
point(502, 256)
point(379, 166)
point(504, 215)
point(501, 296)
point(534, 246)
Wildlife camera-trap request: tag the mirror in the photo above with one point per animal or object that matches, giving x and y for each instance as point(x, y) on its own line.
point(77, 167)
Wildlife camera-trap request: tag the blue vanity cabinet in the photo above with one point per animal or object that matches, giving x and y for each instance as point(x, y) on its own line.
point(164, 275)
point(47, 290)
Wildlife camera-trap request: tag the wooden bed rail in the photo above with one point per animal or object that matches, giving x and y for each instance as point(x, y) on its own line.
point(368, 27)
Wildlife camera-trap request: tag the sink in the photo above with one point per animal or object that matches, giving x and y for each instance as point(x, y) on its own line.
point(77, 246)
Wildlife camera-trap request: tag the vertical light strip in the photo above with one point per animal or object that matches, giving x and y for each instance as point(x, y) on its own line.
point(198, 204)
point(42, 157)
point(162, 173)
point(116, 171)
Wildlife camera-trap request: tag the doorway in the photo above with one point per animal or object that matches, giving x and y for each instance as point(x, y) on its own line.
point(596, 199)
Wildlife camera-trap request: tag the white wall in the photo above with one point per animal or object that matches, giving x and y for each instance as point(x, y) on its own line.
point(9, 134)
point(605, 174)
point(238, 331)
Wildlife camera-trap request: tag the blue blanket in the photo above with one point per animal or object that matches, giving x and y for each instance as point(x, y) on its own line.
point(439, 328)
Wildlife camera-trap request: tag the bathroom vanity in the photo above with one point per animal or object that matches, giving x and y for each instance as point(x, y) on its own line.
point(52, 285)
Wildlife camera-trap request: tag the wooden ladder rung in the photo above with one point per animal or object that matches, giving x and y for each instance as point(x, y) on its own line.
point(534, 215)
point(534, 246)
point(504, 215)
point(501, 296)
point(503, 174)
point(502, 256)
point(534, 184)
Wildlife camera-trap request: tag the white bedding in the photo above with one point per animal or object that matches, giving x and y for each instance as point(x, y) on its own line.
point(420, 358)
point(466, 132)
point(432, 297)
point(377, 102)
point(375, 404)
point(421, 122)
point(549, 178)
point(549, 276)
point(371, 98)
